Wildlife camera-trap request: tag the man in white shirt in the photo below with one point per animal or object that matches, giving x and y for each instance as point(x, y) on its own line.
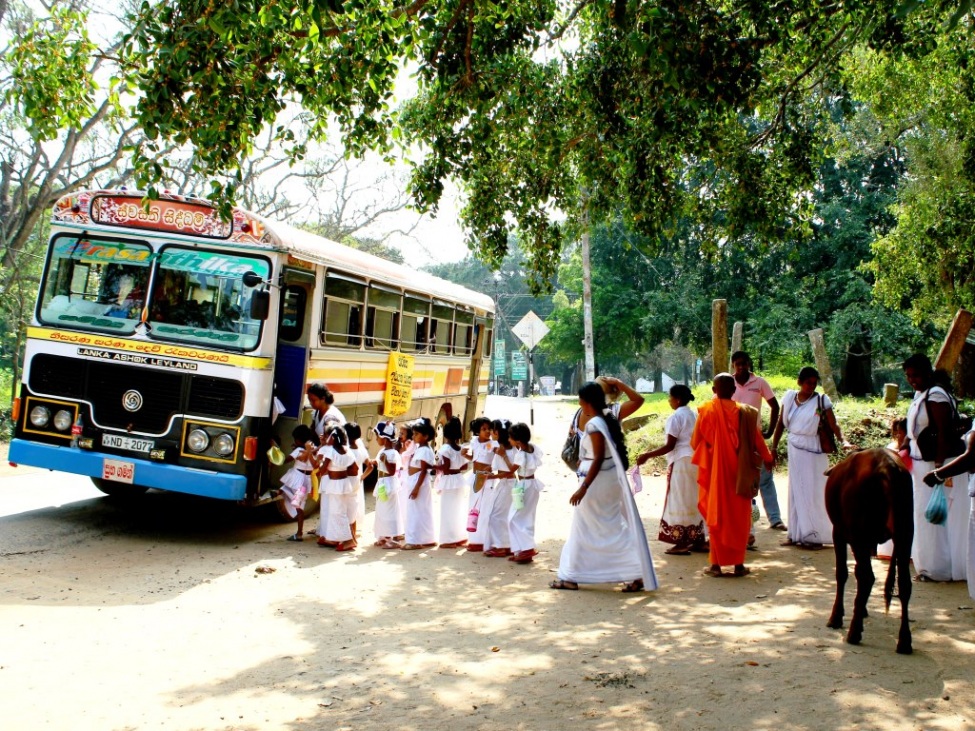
point(752, 390)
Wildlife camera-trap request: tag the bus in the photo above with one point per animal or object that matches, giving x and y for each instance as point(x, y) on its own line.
point(169, 346)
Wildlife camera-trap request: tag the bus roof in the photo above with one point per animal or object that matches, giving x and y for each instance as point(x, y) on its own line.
point(101, 206)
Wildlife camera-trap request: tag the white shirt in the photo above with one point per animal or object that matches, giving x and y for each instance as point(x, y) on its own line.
point(680, 425)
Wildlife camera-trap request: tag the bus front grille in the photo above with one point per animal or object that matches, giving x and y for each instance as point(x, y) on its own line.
point(163, 394)
point(215, 397)
point(160, 392)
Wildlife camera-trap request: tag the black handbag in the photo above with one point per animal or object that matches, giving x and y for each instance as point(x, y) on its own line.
point(927, 440)
point(570, 450)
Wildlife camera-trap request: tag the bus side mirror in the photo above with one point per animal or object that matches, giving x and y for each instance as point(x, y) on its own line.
point(251, 279)
point(260, 304)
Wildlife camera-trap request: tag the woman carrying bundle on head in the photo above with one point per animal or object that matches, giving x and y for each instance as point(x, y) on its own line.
point(606, 542)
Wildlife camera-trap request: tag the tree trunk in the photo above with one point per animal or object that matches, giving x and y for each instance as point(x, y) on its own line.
point(857, 378)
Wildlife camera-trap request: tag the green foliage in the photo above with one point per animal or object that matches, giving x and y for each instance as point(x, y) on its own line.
point(52, 85)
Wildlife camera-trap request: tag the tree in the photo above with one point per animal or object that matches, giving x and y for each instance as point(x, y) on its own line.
point(604, 106)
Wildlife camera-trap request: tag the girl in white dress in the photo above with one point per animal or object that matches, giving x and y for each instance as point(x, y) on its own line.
point(527, 458)
point(361, 455)
point(420, 529)
point(406, 447)
point(809, 525)
point(296, 482)
point(681, 523)
point(606, 541)
point(452, 487)
point(497, 541)
point(336, 473)
point(388, 524)
point(480, 451)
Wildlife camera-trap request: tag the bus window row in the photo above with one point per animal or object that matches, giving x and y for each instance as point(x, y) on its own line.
point(382, 318)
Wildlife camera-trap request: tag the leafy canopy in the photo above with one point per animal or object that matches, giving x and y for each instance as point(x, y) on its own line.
point(644, 109)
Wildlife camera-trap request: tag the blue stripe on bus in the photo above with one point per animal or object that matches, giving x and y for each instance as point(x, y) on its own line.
point(147, 474)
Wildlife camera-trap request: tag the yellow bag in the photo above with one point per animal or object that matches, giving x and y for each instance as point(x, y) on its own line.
point(314, 484)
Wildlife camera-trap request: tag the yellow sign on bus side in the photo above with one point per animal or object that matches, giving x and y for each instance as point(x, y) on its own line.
point(399, 384)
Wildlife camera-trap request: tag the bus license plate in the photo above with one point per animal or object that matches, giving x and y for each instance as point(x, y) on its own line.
point(133, 445)
point(118, 471)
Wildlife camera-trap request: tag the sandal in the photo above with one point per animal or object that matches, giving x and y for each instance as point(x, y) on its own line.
point(741, 570)
point(343, 547)
point(811, 546)
point(498, 552)
point(297, 538)
point(925, 579)
point(678, 551)
point(778, 526)
point(633, 587)
point(703, 547)
point(714, 571)
point(789, 542)
point(562, 584)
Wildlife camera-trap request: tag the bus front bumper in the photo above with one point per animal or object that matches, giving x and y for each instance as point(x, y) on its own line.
point(174, 478)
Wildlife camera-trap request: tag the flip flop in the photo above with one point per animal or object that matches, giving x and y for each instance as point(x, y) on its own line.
point(740, 571)
point(296, 538)
point(633, 587)
point(563, 585)
point(675, 551)
point(714, 573)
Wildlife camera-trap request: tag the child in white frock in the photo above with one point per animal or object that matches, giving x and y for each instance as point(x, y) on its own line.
point(361, 455)
point(388, 524)
point(521, 519)
point(296, 482)
point(336, 471)
point(420, 530)
point(497, 543)
point(480, 452)
point(452, 487)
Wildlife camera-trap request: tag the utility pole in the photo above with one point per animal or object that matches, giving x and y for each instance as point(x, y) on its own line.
point(590, 358)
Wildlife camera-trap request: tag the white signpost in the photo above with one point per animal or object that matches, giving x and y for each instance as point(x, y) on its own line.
point(530, 330)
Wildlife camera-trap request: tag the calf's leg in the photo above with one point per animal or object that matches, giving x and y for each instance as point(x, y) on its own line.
point(842, 572)
point(864, 576)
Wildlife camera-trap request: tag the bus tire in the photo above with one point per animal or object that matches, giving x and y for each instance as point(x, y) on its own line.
point(119, 490)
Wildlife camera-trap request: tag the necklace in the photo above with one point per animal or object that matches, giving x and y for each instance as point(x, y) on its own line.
point(800, 400)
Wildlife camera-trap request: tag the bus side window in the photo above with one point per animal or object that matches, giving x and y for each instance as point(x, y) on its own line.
point(463, 332)
point(292, 313)
point(441, 328)
point(382, 318)
point(344, 303)
point(416, 319)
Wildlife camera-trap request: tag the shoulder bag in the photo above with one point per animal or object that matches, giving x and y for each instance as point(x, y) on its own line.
point(570, 450)
point(927, 440)
point(827, 439)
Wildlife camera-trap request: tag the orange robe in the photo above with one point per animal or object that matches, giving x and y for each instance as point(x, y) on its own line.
point(728, 515)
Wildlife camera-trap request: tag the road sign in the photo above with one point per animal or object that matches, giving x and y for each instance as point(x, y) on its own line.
point(499, 360)
point(519, 366)
point(530, 330)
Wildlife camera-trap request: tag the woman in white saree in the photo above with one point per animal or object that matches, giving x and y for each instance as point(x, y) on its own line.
point(606, 542)
point(809, 525)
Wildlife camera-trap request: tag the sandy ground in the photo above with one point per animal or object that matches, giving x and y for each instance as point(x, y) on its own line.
point(161, 616)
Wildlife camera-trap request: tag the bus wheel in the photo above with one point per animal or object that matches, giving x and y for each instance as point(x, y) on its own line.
point(119, 490)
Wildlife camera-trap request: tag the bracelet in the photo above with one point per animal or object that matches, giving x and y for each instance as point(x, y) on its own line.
point(939, 478)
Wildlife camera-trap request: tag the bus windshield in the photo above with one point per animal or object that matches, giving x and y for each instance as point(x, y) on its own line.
point(199, 297)
point(95, 284)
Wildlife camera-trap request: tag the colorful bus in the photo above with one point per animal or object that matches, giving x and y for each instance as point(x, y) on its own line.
point(168, 346)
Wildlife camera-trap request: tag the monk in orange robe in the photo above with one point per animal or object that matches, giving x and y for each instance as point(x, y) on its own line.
point(728, 449)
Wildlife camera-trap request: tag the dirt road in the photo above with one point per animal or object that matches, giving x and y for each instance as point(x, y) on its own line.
point(186, 614)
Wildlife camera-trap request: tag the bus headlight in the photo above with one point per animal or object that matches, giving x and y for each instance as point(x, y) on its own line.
point(63, 420)
point(197, 440)
point(223, 445)
point(40, 416)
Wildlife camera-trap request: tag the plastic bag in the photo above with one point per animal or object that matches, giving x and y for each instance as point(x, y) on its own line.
point(636, 481)
point(937, 510)
point(518, 495)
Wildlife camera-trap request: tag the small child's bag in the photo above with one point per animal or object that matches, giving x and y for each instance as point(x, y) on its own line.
point(473, 516)
point(518, 495)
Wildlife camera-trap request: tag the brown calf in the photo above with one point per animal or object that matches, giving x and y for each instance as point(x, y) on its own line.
point(869, 498)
